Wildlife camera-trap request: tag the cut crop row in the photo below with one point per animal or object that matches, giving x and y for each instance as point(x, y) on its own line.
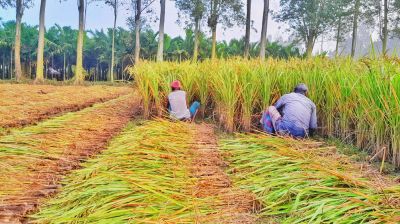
point(304, 182)
point(142, 177)
point(22, 104)
point(156, 172)
point(34, 158)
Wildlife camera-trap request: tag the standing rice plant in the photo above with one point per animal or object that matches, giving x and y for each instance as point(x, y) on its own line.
point(344, 93)
point(142, 83)
point(380, 103)
point(202, 87)
point(266, 76)
point(157, 95)
point(226, 95)
point(187, 74)
point(356, 101)
point(249, 87)
point(394, 118)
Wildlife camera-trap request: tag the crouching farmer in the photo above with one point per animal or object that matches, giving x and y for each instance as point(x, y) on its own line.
point(177, 105)
point(298, 117)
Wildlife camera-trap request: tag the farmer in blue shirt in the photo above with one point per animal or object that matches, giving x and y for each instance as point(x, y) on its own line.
point(294, 114)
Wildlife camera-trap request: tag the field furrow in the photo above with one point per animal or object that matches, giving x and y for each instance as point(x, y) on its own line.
point(33, 159)
point(22, 105)
point(231, 205)
point(156, 172)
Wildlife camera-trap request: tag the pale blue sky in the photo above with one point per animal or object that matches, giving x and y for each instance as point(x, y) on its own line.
point(101, 16)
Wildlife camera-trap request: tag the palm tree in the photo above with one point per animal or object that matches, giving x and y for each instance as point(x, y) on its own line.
point(149, 43)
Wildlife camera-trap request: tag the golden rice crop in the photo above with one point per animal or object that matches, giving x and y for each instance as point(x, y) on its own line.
point(357, 101)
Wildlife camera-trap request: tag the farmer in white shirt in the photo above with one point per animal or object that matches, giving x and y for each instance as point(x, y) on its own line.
point(177, 105)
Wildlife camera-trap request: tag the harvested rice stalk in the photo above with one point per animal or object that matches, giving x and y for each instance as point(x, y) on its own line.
point(159, 172)
point(302, 185)
point(22, 104)
point(143, 177)
point(35, 158)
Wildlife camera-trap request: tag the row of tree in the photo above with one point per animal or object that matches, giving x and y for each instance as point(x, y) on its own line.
point(60, 50)
point(308, 19)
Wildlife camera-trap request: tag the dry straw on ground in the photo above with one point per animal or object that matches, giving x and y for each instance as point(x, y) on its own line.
point(33, 159)
point(303, 182)
point(27, 104)
point(152, 173)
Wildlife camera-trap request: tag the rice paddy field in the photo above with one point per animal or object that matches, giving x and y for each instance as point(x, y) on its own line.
point(357, 101)
point(104, 154)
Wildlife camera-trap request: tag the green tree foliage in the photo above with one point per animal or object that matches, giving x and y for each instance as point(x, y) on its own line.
point(225, 12)
point(308, 19)
point(384, 16)
point(61, 43)
point(20, 6)
point(343, 22)
point(192, 12)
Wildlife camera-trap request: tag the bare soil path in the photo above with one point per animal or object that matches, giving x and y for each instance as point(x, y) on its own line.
point(35, 158)
point(23, 104)
point(232, 205)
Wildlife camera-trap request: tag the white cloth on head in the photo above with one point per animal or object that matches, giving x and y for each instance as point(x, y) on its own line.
point(177, 102)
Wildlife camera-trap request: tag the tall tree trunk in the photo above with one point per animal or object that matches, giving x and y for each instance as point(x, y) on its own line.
point(3, 66)
point(248, 24)
point(385, 31)
point(196, 39)
point(122, 70)
point(17, 54)
point(160, 51)
point(46, 69)
point(137, 30)
point(113, 42)
point(214, 42)
point(79, 48)
point(11, 63)
point(52, 66)
point(30, 67)
point(40, 50)
point(355, 28)
point(263, 41)
point(64, 68)
point(310, 45)
point(97, 72)
point(338, 36)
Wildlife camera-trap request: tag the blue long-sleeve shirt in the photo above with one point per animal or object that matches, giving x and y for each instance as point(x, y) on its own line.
point(298, 111)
